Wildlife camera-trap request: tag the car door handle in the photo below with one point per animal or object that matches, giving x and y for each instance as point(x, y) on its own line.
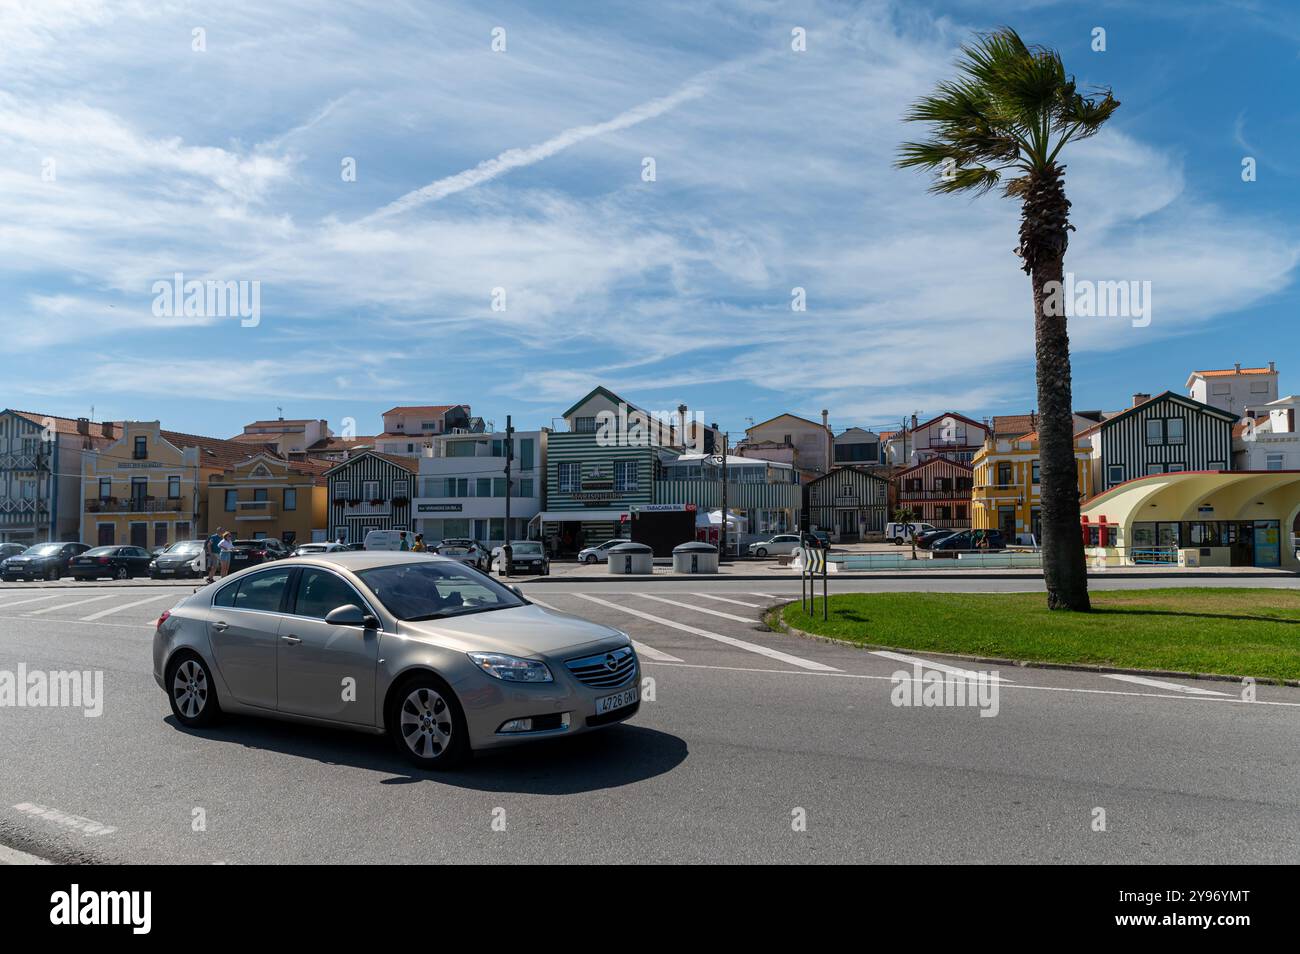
point(221, 627)
point(291, 640)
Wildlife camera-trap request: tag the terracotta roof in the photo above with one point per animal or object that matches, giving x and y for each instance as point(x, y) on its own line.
point(340, 443)
point(213, 451)
point(1239, 429)
point(422, 409)
point(68, 425)
point(1014, 423)
point(1229, 372)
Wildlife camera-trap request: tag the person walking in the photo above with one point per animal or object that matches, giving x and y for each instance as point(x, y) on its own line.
point(419, 544)
point(227, 550)
point(403, 543)
point(213, 552)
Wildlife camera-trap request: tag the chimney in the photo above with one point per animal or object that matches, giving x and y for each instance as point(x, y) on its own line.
point(826, 418)
point(914, 422)
point(1143, 398)
point(83, 426)
point(1238, 367)
point(1271, 368)
point(106, 428)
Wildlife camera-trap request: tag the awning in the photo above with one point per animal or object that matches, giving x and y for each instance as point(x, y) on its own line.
point(564, 516)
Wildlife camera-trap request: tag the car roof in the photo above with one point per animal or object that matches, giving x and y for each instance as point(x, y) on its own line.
point(355, 560)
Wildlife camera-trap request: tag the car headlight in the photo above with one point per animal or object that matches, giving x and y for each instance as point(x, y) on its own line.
point(153, 564)
point(511, 668)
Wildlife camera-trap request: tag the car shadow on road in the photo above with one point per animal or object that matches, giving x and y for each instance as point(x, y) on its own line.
point(616, 756)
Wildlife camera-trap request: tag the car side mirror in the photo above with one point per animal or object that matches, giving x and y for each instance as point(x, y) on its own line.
point(351, 615)
point(515, 590)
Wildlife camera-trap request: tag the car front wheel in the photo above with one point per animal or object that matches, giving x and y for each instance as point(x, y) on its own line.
point(191, 692)
point(590, 559)
point(761, 552)
point(426, 723)
point(123, 573)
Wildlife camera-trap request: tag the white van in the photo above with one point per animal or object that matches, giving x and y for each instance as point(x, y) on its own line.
point(898, 533)
point(388, 539)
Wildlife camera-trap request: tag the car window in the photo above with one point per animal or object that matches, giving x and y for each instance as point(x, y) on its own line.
point(262, 591)
point(435, 590)
point(320, 591)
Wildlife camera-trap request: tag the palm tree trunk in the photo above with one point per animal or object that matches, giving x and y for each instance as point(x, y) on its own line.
point(1044, 235)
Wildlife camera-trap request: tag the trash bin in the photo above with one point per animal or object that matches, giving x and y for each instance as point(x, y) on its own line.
point(695, 556)
point(631, 558)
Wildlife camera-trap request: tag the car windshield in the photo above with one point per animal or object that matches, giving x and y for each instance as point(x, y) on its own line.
point(188, 546)
point(436, 590)
point(43, 549)
point(525, 547)
point(101, 551)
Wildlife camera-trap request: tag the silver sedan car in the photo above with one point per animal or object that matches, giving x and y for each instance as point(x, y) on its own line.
point(441, 657)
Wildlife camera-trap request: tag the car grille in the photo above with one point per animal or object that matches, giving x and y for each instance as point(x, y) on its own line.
point(604, 670)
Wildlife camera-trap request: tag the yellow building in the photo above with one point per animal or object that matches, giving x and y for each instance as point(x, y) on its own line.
point(147, 487)
point(267, 496)
point(1006, 493)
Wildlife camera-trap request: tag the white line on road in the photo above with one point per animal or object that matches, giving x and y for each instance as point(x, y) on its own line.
point(641, 648)
point(51, 609)
point(1160, 684)
point(766, 596)
point(723, 599)
point(125, 606)
point(35, 599)
point(699, 609)
point(942, 667)
point(729, 640)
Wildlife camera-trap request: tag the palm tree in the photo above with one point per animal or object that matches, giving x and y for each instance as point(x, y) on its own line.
point(1010, 113)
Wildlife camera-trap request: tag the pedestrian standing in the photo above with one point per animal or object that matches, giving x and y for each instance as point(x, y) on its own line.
point(227, 550)
point(213, 551)
point(403, 543)
point(419, 544)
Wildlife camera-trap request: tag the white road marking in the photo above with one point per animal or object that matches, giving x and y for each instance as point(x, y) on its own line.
point(942, 667)
point(641, 648)
point(1160, 684)
point(698, 609)
point(723, 599)
point(766, 596)
point(125, 606)
point(35, 599)
point(51, 609)
point(729, 640)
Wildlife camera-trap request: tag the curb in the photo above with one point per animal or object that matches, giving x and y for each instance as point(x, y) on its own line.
point(912, 575)
point(774, 615)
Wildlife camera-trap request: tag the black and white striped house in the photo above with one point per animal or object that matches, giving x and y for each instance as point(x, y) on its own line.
point(849, 503)
point(372, 491)
point(1166, 434)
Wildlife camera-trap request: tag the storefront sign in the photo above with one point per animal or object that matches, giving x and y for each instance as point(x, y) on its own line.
point(438, 508)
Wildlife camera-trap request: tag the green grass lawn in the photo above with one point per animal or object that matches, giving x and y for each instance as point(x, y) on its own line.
point(1243, 632)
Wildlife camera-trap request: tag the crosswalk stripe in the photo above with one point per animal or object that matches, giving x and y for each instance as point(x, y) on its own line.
point(641, 647)
point(125, 606)
point(1160, 684)
point(723, 599)
point(35, 599)
point(698, 609)
point(52, 609)
point(942, 667)
point(729, 640)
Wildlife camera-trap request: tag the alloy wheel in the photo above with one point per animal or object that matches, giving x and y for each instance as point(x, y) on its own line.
point(190, 688)
point(426, 722)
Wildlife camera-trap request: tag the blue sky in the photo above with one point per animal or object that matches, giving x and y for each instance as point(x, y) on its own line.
point(522, 170)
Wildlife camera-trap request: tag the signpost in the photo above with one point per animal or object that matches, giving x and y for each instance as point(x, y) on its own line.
point(814, 562)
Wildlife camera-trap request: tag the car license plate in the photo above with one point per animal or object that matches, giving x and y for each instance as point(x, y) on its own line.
point(618, 700)
point(166, 571)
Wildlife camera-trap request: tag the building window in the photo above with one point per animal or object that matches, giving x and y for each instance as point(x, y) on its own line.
point(1175, 468)
point(526, 453)
point(1004, 475)
point(483, 487)
point(1034, 473)
point(1274, 461)
point(1174, 430)
point(160, 534)
point(141, 448)
point(1155, 469)
point(1155, 432)
point(401, 488)
point(341, 533)
point(342, 490)
point(1115, 474)
point(526, 487)
point(232, 499)
point(1217, 465)
point(429, 427)
point(568, 477)
point(498, 486)
point(584, 425)
point(290, 498)
point(370, 490)
point(625, 475)
point(182, 530)
point(105, 488)
point(173, 488)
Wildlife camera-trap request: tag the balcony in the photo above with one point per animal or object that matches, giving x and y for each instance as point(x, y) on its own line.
point(134, 505)
point(957, 493)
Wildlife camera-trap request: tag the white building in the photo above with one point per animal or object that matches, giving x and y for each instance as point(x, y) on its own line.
point(1240, 391)
point(292, 439)
point(410, 431)
point(1268, 441)
point(461, 488)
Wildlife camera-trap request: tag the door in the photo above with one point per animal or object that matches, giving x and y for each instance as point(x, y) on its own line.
point(104, 535)
point(848, 524)
point(244, 628)
point(1268, 542)
point(326, 671)
point(140, 535)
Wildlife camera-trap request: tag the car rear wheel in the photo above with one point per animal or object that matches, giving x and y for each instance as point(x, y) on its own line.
point(426, 723)
point(191, 692)
point(122, 573)
point(898, 541)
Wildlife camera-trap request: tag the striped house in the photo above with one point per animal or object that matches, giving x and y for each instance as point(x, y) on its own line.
point(370, 492)
point(850, 503)
point(938, 491)
point(1165, 434)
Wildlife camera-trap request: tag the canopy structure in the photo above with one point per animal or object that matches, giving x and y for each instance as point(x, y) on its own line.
point(713, 518)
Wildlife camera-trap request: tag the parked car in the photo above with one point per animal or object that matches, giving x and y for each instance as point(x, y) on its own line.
point(182, 559)
point(927, 540)
point(252, 552)
point(11, 549)
point(426, 633)
point(979, 541)
point(465, 550)
point(779, 544)
point(119, 562)
point(817, 538)
point(388, 539)
point(44, 561)
point(306, 549)
point(599, 553)
point(526, 556)
point(899, 533)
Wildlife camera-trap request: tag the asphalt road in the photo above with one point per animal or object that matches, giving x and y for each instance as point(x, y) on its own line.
point(748, 733)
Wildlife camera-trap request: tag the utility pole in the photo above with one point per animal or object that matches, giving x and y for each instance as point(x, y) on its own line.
point(506, 552)
point(722, 538)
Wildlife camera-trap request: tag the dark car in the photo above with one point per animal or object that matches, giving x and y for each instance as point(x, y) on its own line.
point(926, 541)
point(182, 559)
point(119, 562)
point(11, 549)
point(817, 538)
point(975, 541)
point(252, 552)
point(44, 561)
point(526, 556)
point(465, 550)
